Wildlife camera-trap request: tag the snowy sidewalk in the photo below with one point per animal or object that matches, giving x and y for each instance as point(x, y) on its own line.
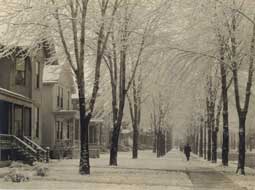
point(171, 172)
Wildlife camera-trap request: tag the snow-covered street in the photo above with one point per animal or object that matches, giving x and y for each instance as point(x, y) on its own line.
point(171, 172)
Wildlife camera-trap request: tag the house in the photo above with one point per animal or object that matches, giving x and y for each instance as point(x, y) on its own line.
point(125, 137)
point(145, 139)
point(60, 112)
point(60, 121)
point(20, 105)
point(98, 135)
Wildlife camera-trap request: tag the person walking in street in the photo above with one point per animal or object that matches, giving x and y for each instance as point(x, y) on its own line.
point(187, 150)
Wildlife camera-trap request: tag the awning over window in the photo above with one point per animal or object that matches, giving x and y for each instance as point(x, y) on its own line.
point(15, 98)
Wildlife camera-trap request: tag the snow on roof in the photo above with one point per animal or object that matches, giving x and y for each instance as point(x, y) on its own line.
point(51, 73)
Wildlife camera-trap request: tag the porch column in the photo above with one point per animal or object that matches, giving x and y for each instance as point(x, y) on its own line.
point(23, 121)
point(73, 131)
point(96, 135)
point(11, 117)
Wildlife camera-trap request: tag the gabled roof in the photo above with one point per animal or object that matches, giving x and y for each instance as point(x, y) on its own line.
point(51, 73)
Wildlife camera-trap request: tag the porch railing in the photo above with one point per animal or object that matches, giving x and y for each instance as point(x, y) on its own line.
point(17, 142)
point(41, 153)
point(25, 146)
point(6, 141)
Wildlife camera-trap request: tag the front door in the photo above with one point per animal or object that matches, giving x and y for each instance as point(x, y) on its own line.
point(27, 122)
point(4, 117)
point(18, 121)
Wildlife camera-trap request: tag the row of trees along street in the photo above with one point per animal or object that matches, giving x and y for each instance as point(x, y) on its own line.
point(234, 31)
point(163, 136)
point(175, 65)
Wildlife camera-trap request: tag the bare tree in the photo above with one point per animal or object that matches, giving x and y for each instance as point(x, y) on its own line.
point(135, 101)
point(120, 58)
point(242, 111)
point(161, 108)
point(79, 9)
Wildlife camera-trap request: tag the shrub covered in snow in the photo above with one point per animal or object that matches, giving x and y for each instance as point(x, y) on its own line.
point(16, 165)
point(41, 170)
point(20, 165)
point(17, 176)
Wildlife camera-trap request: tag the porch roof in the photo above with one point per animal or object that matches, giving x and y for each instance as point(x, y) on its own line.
point(15, 98)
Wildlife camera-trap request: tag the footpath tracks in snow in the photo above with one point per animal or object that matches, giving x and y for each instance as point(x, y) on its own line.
point(206, 178)
point(202, 175)
point(171, 172)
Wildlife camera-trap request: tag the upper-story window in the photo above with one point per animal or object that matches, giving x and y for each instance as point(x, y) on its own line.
point(68, 129)
point(68, 103)
point(20, 75)
point(60, 98)
point(37, 73)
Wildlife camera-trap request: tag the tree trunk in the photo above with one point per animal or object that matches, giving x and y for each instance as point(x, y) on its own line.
point(201, 141)
point(135, 142)
point(114, 145)
point(224, 95)
point(158, 143)
point(214, 146)
point(241, 157)
point(84, 167)
point(155, 141)
point(116, 132)
point(164, 144)
point(197, 142)
point(209, 143)
point(213, 132)
point(205, 145)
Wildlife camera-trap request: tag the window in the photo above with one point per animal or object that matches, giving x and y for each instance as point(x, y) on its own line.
point(20, 71)
point(76, 129)
point(68, 103)
point(92, 134)
point(61, 130)
point(37, 116)
point(37, 73)
point(68, 130)
point(60, 99)
point(57, 129)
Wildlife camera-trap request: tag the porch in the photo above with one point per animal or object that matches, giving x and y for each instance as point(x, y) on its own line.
point(15, 128)
point(67, 135)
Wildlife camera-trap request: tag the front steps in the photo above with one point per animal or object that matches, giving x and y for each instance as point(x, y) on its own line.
point(22, 149)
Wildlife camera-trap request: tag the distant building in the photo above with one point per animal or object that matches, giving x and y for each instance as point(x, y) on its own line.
point(98, 135)
point(146, 139)
point(125, 137)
